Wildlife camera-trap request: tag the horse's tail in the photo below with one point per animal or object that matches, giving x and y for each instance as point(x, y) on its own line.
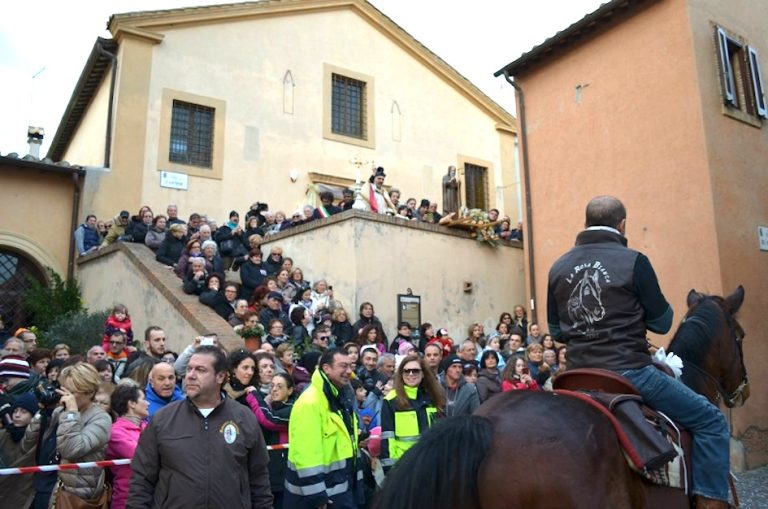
point(441, 469)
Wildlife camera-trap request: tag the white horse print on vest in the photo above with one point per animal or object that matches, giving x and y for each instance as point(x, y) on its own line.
point(584, 305)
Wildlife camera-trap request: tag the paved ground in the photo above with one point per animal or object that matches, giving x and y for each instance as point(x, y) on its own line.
point(752, 487)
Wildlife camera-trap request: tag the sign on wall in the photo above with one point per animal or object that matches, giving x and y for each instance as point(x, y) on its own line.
point(174, 180)
point(762, 235)
point(409, 310)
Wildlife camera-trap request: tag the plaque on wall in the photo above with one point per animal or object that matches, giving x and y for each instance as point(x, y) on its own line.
point(409, 310)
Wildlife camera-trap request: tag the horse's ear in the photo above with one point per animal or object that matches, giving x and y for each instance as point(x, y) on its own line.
point(735, 299)
point(693, 298)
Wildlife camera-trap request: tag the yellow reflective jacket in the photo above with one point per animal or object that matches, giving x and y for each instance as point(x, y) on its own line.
point(400, 429)
point(323, 460)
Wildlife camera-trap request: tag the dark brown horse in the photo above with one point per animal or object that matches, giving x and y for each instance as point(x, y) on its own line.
point(529, 450)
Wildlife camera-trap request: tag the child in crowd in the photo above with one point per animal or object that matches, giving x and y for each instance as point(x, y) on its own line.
point(118, 320)
point(17, 490)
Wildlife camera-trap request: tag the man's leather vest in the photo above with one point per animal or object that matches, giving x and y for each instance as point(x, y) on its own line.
point(600, 315)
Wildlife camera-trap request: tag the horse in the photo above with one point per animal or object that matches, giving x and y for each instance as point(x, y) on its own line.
point(533, 449)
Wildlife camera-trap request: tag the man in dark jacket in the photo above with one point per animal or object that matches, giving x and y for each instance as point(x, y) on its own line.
point(205, 451)
point(87, 237)
point(461, 397)
point(602, 296)
point(326, 208)
point(274, 310)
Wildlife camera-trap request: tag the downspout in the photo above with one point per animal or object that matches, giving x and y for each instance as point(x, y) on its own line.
point(528, 231)
point(73, 226)
point(108, 141)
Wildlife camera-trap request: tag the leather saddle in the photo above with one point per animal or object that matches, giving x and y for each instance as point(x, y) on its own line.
point(646, 436)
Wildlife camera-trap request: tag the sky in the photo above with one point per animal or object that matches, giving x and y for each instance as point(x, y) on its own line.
point(44, 45)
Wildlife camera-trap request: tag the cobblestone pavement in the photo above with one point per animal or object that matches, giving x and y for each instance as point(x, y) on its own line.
point(752, 487)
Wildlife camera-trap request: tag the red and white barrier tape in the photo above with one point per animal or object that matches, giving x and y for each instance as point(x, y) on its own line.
point(98, 464)
point(89, 464)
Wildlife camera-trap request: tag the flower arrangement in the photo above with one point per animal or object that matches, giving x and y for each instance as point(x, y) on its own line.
point(478, 222)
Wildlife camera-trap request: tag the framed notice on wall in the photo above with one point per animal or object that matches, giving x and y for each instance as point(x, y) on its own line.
point(409, 310)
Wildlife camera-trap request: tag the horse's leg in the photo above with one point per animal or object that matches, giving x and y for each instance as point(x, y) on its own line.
point(553, 451)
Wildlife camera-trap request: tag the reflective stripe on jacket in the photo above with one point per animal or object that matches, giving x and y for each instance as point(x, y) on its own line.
point(400, 429)
point(323, 462)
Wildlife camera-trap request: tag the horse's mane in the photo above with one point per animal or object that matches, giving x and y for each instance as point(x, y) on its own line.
point(698, 330)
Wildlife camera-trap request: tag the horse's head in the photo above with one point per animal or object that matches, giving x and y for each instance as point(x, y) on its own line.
point(730, 373)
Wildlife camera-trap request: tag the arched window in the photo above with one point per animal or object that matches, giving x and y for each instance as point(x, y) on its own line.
point(395, 113)
point(288, 86)
point(16, 275)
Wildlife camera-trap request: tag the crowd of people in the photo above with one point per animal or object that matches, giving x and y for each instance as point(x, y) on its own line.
point(347, 399)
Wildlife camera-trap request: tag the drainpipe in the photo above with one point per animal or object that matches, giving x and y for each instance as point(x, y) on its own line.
point(528, 232)
point(108, 141)
point(73, 226)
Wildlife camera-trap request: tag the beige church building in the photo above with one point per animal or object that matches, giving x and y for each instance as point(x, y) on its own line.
point(214, 108)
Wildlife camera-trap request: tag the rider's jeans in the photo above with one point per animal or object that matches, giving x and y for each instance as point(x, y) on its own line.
point(704, 420)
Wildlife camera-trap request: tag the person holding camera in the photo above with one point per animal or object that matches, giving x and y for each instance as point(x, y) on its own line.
point(517, 376)
point(81, 430)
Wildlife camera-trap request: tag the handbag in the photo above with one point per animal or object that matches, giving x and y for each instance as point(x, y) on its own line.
point(63, 499)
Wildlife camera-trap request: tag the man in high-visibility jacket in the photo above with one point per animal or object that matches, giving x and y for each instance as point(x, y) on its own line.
point(324, 466)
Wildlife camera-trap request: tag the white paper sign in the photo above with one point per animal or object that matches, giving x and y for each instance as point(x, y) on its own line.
point(174, 180)
point(762, 234)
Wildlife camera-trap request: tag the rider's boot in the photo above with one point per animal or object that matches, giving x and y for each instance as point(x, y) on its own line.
point(711, 503)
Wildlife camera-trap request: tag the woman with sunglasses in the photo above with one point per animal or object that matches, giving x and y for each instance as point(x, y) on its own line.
point(409, 410)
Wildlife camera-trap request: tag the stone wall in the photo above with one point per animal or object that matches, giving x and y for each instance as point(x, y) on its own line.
point(369, 257)
point(128, 274)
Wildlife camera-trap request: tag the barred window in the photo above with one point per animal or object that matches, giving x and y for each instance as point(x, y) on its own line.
point(476, 188)
point(348, 107)
point(191, 134)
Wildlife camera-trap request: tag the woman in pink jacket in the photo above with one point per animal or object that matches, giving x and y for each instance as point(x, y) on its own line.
point(131, 408)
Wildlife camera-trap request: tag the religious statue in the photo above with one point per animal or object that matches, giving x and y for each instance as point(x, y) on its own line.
point(451, 195)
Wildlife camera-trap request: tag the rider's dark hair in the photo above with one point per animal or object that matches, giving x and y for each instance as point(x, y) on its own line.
point(605, 211)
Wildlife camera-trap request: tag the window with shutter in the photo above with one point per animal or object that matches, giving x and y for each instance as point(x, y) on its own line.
point(757, 83)
point(743, 92)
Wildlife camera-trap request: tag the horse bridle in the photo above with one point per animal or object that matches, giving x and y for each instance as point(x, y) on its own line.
point(740, 394)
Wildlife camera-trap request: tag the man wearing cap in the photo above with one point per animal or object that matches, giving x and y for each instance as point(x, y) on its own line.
point(373, 197)
point(461, 397)
point(274, 310)
point(119, 224)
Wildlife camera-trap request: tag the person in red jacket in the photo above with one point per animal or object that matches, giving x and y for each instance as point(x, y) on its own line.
point(118, 320)
point(517, 376)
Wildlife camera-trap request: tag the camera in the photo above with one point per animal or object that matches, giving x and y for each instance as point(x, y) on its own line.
point(45, 392)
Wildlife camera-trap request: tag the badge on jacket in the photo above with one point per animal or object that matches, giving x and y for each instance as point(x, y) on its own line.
point(230, 430)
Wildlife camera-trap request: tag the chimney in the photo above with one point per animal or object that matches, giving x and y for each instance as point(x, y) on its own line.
point(35, 139)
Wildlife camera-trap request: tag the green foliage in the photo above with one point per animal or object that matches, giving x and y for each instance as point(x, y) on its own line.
point(47, 303)
point(78, 329)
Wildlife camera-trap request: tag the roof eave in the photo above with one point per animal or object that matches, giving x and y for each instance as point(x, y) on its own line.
point(93, 72)
point(572, 35)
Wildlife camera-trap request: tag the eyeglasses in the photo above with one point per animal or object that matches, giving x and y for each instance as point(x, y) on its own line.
point(414, 371)
point(326, 338)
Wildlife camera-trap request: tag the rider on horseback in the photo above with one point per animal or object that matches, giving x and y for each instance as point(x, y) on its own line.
point(602, 296)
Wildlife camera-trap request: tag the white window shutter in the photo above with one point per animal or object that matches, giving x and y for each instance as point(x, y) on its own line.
point(757, 83)
point(729, 83)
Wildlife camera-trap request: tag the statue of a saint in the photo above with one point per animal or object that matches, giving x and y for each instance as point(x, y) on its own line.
point(451, 195)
